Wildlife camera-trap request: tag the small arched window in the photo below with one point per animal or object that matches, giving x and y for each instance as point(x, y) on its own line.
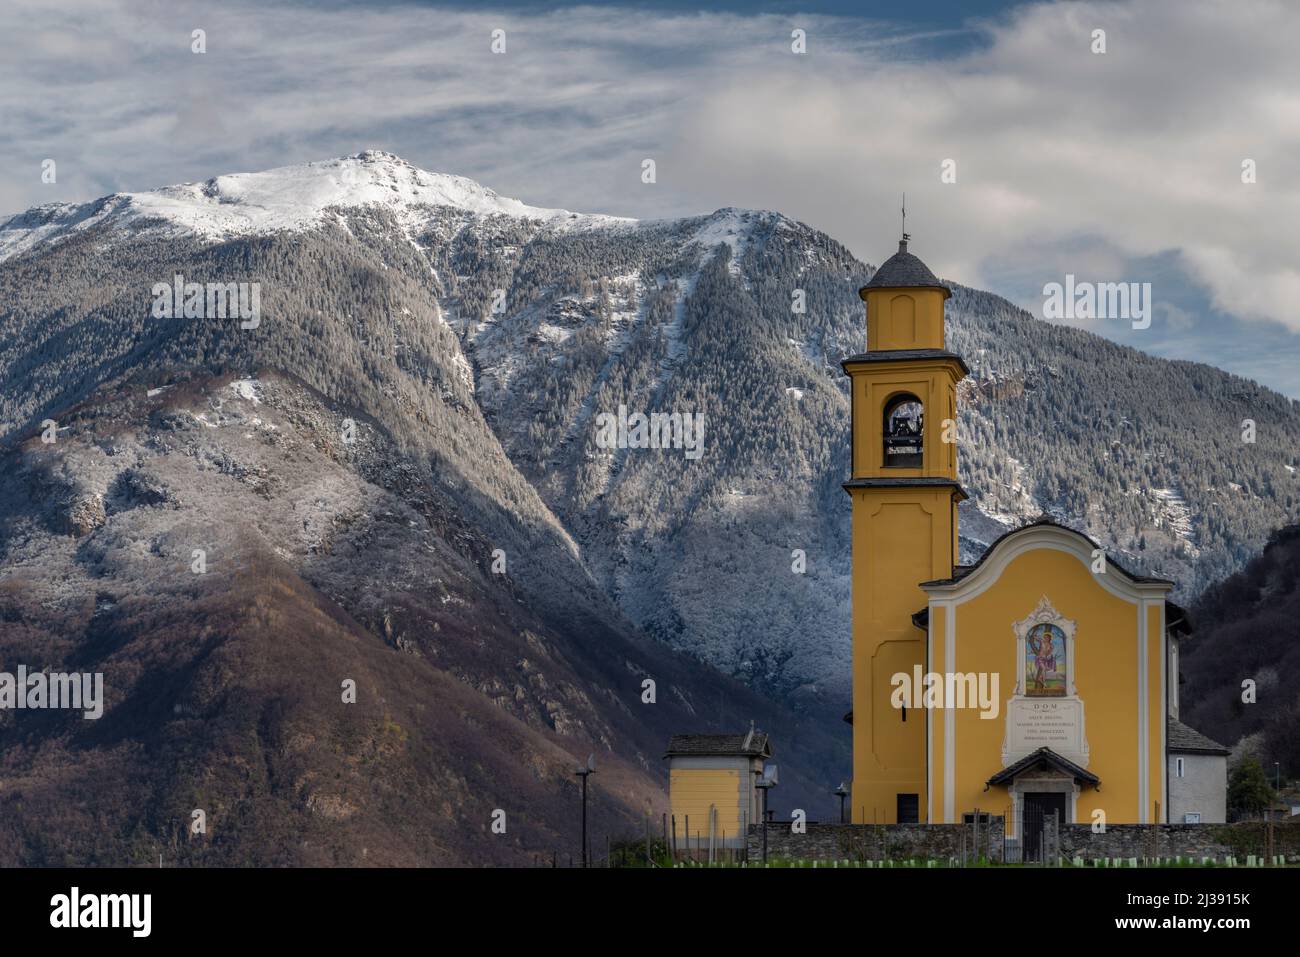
point(904, 432)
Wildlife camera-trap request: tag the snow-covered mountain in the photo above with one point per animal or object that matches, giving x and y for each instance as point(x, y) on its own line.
point(542, 320)
point(291, 198)
point(230, 522)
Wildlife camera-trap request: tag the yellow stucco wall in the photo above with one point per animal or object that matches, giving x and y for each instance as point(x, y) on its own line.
point(692, 791)
point(904, 318)
point(1111, 663)
point(934, 383)
point(901, 537)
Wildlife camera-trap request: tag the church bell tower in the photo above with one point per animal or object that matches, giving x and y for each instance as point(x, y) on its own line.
point(905, 493)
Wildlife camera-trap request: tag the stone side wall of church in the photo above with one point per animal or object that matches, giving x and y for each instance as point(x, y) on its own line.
point(1217, 841)
point(1144, 841)
point(877, 842)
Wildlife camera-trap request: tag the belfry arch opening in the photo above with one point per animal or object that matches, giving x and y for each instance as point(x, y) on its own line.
point(904, 432)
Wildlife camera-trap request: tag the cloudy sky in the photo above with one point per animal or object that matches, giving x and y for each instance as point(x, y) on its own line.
point(1117, 166)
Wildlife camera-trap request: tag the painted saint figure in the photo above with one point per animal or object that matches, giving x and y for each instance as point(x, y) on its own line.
point(1045, 647)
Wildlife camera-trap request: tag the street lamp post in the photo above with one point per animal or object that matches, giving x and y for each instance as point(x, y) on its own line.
point(583, 772)
point(768, 780)
point(842, 792)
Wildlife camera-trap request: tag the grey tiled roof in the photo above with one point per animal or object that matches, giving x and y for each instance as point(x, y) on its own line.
point(754, 743)
point(902, 269)
point(903, 355)
point(1182, 738)
point(917, 482)
point(1045, 757)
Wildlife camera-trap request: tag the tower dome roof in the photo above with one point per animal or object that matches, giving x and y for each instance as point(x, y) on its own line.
point(903, 269)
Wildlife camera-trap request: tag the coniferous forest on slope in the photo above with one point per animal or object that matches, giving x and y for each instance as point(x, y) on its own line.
point(476, 435)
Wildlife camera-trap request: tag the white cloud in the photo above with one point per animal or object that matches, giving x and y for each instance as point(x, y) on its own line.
point(1066, 160)
point(1137, 150)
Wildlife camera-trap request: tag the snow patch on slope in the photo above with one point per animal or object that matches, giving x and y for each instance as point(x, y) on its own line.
point(247, 389)
point(1173, 514)
point(733, 227)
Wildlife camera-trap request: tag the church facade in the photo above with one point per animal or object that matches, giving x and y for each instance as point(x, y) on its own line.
point(1039, 681)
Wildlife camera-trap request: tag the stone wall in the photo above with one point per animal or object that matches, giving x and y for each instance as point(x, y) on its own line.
point(825, 842)
point(1144, 841)
point(863, 842)
point(1217, 841)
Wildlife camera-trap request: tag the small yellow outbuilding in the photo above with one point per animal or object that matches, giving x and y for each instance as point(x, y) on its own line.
point(711, 787)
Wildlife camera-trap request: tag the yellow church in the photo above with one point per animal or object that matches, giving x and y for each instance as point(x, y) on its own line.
point(1040, 680)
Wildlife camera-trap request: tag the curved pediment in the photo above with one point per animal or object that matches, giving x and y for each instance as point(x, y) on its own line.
point(1045, 534)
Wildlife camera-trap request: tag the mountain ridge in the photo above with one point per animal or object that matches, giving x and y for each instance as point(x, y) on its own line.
point(486, 343)
point(501, 252)
point(284, 198)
